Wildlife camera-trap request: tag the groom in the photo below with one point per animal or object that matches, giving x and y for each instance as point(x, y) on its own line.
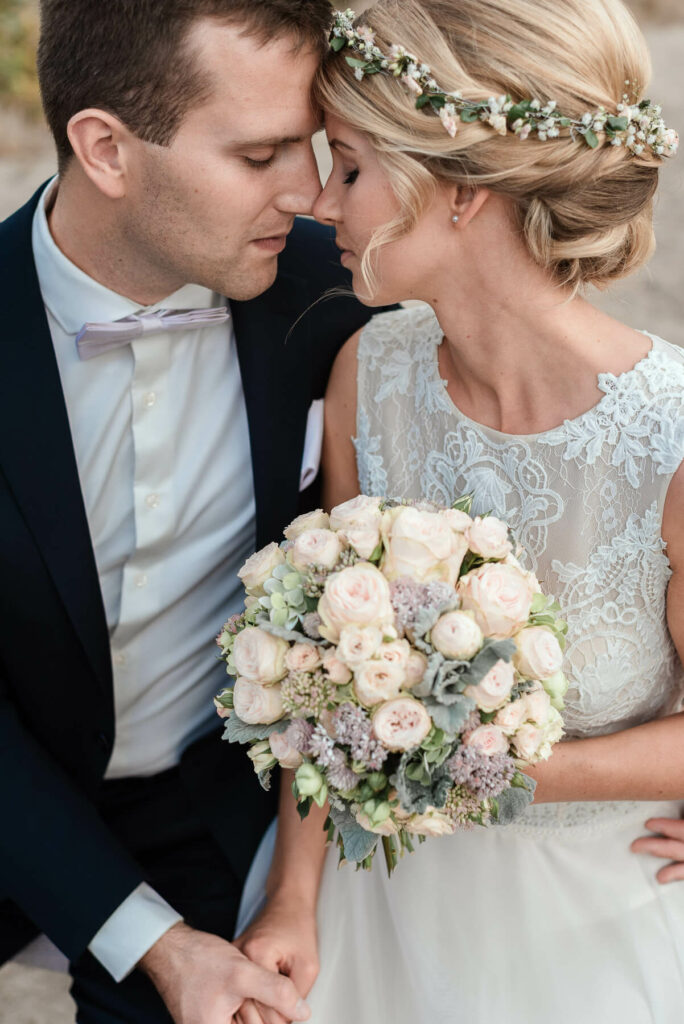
point(139, 465)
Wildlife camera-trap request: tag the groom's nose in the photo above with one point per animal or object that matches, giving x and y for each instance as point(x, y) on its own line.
point(303, 186)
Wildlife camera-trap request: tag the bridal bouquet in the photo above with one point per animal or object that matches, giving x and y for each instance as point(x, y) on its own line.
point(401, 661)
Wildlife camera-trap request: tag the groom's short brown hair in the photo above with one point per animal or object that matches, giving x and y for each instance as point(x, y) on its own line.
point(130, 56)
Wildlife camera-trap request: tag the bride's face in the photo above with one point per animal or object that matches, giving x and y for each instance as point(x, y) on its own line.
point(357, 199)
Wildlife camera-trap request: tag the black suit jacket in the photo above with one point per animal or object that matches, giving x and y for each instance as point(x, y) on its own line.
point(61, 870)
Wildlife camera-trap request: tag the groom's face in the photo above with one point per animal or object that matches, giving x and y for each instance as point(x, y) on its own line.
point(215, 206)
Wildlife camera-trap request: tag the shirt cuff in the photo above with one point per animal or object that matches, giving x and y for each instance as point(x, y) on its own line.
point(132, 930)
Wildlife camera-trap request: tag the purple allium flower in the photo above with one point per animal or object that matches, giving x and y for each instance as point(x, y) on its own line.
point(298, 734)
point(483, 775)
point(310, 623)
point(340, 774)
point(306, 694)
point(472, 722)
point(322, 747)
point(354, 727)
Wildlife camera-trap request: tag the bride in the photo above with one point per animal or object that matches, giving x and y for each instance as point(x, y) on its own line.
point(506, 383)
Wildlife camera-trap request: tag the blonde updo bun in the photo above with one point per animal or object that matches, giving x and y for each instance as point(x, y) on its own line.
point(585, 214)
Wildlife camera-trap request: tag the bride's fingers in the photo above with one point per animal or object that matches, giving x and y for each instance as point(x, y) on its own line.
point(659, 846)
point(269, 1015)
point(672, 827)
point(248, 1013)
point(671, 873)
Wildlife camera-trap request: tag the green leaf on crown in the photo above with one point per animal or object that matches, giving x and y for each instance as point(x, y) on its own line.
point(469, 114)
point(591, 138)
point(354, 62)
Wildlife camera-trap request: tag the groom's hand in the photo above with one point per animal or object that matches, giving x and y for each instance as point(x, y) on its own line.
point(205, 980)
point(668, 844)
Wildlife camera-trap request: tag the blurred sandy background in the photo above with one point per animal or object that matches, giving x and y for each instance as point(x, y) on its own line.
point(654, 299)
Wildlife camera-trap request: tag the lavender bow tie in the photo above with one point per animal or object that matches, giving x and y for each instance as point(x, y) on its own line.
point(93, 338)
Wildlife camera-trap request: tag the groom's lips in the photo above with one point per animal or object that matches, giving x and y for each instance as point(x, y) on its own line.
point(274, 243)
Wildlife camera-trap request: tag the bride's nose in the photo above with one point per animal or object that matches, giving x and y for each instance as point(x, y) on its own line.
point(326, 209)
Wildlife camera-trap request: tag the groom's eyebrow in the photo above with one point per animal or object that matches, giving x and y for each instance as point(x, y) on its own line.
point(276, 140)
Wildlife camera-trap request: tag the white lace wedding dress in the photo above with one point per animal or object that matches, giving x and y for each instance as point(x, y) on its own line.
point(552, 919)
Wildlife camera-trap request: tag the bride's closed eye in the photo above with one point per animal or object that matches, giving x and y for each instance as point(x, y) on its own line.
point(351, 177)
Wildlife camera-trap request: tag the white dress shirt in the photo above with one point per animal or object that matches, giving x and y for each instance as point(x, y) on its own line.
point(160, 433)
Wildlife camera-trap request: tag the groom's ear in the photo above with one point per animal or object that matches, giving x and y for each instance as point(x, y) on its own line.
point(99, 141)
point(466, 203)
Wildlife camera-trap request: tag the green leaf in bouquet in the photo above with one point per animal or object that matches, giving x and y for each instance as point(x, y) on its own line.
point(237, 731)
point(450, 680)
point(450, 717)
point(510, 804)
point(358, 843)
point(464, 503)
point(265, 779)
point(292, 581)
point(486, 658)
point(377, 781)
point(415, 796)
point(303, 807)
point(225, 698)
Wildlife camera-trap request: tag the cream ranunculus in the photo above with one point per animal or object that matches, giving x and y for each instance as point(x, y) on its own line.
point(356, 596)
point(361, 513)
point(457, 635)
point(334, 668)
point(539, 655)
point(488, 739)
point(261, 756)
point(364, 542)
point(458, 520)
point(318, 520)
point(401, 724)
point(377, 681)
point(511, 716)
point(537, 705)
point(500, 597)
point(316, 547)
point(256, 704)
point(527, 741)
point(260, 656)
point(358, 644)
point(494, 688)
point(396, 652)
point(431, 823)
point(303, 658)
point(488, 537)
point(415, 668)
point(421, 545)
point(287, 755)
point(259, 567)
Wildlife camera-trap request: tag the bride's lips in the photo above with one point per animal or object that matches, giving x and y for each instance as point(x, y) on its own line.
point(346, 253)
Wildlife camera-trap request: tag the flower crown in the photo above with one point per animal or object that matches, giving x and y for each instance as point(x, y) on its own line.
point(638, 127)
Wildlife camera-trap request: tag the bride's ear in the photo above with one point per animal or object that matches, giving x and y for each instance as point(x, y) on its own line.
point(466, 203)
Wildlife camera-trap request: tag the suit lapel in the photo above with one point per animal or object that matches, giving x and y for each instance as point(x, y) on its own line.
point(36, 450)
point(276, 382)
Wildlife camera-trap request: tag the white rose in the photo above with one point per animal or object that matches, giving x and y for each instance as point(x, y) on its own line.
point(256, 704)
point(318, 520)
point(260, 656)
point(537, 705)
point(488, 739)
point(358, 644)
point(494, 688)
point(458, 520)
point(316, 547)
point(364, 541)
point(488, 537)
point(457, 635)
point(421, 545)
point(377, 681)
point(259, 567)
point(511, 716)
point(415, 668)
point(539, 655)
point(334, 668)
point(287, 756)
point(361, 513)
point(553, 730)
point(431, 823)
point(499, 595)
point(401, 724)
point(396, 652)
point(358, 596)
point(303, 658)
point(527, 741)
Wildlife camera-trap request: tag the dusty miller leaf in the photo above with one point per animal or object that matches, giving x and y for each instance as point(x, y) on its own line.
point(358, 842)
point(237, 731)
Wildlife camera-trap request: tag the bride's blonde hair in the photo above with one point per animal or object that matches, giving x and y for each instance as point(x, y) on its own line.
point(585, 214)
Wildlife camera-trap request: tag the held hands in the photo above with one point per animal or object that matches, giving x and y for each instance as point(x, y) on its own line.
point(282, 939)
point(205, 980)
point(668, 844)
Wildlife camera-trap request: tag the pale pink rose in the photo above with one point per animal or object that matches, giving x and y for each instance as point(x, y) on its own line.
point(364, 541)
point(286, 755)
point(303, 658)
point(256, 704)
point(316, 547)
point(458, 520)
point(431, 823)
point(511, 716)
point(221, 711)
point(318, 520)
point(488, 537)
point(421, 545)
point(260, 656)
point(537, 705)
point(527, 741)
point(334, 668)
point(259, 567)
point(499, 595)
point(415, 668)
point(377, 681)
point(396, 652)
point(358, 644)
point(539, 655)
point(457, 635)
point(401, 724)
point(356, 596)
point(488, 739)
point(360, 513)
point(494, 688)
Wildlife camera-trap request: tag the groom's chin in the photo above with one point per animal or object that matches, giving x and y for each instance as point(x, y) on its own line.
point(250, 281)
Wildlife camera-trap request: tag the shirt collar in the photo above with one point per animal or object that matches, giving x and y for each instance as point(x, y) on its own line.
point(73, 298)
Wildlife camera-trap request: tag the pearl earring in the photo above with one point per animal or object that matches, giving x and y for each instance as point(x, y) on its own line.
point(455, 218)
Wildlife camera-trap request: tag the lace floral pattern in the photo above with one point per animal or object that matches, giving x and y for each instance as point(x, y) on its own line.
point(585, 499)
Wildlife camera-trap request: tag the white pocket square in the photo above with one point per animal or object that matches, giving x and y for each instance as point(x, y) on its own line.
point(313, 443)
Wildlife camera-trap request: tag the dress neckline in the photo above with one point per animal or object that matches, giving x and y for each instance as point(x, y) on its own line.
point(606, 382)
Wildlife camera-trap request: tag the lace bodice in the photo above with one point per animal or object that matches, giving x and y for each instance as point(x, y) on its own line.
point(585, 500)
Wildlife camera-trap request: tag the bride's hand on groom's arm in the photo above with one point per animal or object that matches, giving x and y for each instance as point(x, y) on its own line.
point(667, 843)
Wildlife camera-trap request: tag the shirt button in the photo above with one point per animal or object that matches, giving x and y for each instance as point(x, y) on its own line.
point(119, 659)
point(150, 399)
point(152, 500)
point(141, 580)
